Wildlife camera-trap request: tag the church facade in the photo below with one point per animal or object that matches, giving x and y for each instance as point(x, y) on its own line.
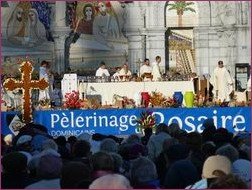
point(81, 34)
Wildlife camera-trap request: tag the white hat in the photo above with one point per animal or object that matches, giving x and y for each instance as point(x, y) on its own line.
point(213, 163)
point(24, 139)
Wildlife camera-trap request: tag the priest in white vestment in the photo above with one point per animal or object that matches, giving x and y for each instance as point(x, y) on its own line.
point(145, 68)
point(43, 73)
point(125, 73)
point(222, 83)
point(102, 71)
point(156, 70)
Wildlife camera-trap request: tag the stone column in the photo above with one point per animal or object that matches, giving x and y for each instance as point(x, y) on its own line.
point(60, 33)
point(135, 35)
point(135, 52)
point(156, 45)
point(60, 13)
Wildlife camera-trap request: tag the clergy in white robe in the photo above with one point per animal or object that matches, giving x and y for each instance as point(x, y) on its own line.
point(156, 70)
point(102, 71)
point(125, 73)
point(43, 73)
point(222, 83)
point(145, 68)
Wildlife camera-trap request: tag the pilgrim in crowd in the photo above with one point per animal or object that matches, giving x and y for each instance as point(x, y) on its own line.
point(170, 158)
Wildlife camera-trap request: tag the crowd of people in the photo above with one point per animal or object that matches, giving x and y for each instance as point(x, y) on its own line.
point(169, 158)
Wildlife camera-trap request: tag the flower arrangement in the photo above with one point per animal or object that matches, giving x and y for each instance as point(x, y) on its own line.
point(124, 101)
point(146, 120)
point(72, 100)
point(44, 103)
point(157, 99)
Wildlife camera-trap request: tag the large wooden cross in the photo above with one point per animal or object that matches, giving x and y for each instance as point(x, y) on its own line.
point(26, 85)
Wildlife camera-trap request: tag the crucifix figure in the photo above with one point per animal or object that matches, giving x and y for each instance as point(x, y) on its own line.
point(26, 85)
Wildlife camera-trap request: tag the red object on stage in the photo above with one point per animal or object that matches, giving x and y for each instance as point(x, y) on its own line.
point(145, 99)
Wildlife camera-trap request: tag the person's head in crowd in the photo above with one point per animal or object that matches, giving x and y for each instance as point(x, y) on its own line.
point(108, 145)
point(49, 144)
point(85, 137)
point(133, 138)
point(169, 142)
point(177, 152)
point(8, 139)
point(14, 163)
point(24, 139)
point(39, 129)
point(38, 141)
point(49, 167)
point(132, 151)
point(241, 168)
point(216, 166)
point(111, 181)
point(194, 141)
point(115, 138)
point(72, 139)
point(181, 136)
point(98, 137)
point(208, 149)
point(142, 172)
point(61, 141)
point(74, 173)
point(222, 137)
point(209, 130)
point(229, 181)
point(70, 142)
point(137, 150)
point(81, 149)
point(148, 131)
point(161, 127)
point(173, 129)
point(229, 151)
point(23, 143)
point(102, 164)
point(118, 161)
point(181, 174)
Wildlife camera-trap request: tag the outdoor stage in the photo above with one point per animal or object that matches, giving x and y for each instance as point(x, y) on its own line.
point(122, 121)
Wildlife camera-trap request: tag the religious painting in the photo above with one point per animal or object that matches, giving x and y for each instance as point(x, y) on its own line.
point(95, 18)
point(29, 24)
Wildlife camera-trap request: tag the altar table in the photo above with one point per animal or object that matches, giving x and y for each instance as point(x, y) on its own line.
point(129, 89)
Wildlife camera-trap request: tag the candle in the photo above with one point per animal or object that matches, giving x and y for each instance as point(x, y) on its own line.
point(199, 83)
point(207, 86)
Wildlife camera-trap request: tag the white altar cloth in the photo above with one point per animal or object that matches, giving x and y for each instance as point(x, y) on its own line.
point(129, 89)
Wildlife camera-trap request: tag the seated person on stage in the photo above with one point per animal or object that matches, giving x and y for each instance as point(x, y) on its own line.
point(145, 70)
point(125, 73)
point(117, 73)
point(102, 71)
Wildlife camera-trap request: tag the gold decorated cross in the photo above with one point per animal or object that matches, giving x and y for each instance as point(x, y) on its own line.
point(26, 85)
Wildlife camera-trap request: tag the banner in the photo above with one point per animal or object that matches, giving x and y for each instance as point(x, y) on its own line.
point(123, 121)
